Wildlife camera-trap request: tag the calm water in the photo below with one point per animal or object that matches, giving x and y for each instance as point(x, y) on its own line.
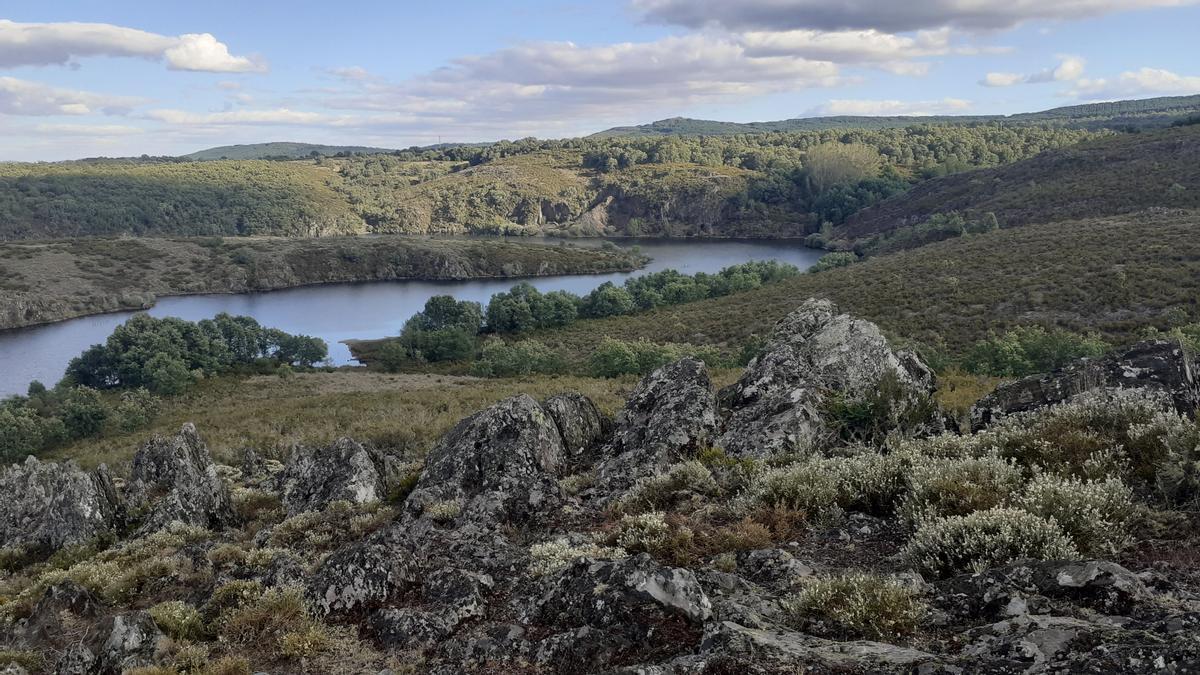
point(337, 312)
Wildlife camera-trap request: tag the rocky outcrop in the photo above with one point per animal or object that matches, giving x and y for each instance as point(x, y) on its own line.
point(1160, 366)
point(496, 466)
point(173, 479)
point(580, 423)
point(669, 417)
point(343, 471)
point(47, 506)
point(779, 403)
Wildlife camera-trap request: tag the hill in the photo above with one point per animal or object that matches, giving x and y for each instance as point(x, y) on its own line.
point(1110, 176)
point(1152, 112)
point(281, 151)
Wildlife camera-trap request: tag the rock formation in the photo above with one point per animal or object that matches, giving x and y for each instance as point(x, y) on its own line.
point(46, 506)
point(173, 480)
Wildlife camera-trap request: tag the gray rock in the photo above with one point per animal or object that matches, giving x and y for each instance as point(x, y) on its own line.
point(579, 422)
point(499, 466)
point(772, 567)
point(173, 479)
point(129, 641)
point(47, 506)
point(363, 575)
point(1025, 588)
point(44, 627)
point(78, 659)
point(1157, 365)
point(343, 471)
point(803, 652)
point(409, 627)
point(670, 416)
point(777, 405)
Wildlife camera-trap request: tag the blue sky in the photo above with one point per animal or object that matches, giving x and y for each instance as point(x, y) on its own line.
point(81, 78)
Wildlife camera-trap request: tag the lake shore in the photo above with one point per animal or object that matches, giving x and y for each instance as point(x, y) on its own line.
point(50, 281)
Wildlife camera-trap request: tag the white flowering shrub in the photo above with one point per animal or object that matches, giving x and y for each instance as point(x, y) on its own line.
point(986, 539)
point(642, 532)
point(810, 486)
point(1177, 473)
point(179, 620)
point(856, 604)
point(552, 556)
point(956, 487)
point(664, 490)
point(868, 481)
point(444, 511)
point(1096, 514)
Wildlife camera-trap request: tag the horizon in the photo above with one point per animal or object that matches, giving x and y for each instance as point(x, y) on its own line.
point(79, 81)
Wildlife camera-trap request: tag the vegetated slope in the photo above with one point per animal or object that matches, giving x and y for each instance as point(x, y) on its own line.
point(50, 281)
point(279, 150)
point(1110, 176)
point(105, 197)
point(1152, 112)
point(1112, 275)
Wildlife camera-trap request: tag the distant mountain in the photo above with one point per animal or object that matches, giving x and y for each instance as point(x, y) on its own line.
point(1151, 112)
point(281, 151)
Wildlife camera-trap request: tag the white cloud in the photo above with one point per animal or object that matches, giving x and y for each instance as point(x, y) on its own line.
point(87, 130)
point(890, 52)
point(43, 44)
point(1069, 69)
point(886, 15)
point(282, 116)
point(1142, 82)
point(943, 106)
point(352, 73)
point(22, 97)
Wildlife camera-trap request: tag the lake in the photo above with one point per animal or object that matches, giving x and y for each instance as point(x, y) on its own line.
point(336, 312)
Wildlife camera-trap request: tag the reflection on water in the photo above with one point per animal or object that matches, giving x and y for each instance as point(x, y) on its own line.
point(336, 312)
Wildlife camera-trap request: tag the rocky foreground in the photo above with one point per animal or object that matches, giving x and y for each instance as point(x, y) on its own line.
point(816, 516)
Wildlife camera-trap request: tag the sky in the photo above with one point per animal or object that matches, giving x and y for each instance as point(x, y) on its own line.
point(80, 78)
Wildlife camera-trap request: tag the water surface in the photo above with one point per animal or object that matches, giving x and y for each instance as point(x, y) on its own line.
point(336, 312)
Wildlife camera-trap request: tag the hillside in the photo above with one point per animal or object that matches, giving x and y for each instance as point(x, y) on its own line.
point(106, 197)
point(44, 281)
point(1105, 177)
point(281, 151)
point(1113, 275)
point(1152, 112)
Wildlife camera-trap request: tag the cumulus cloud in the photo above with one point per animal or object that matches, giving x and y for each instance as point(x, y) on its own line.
point(885, 15)
point(22, 97)
point(1069, 69)
point(543, 85)
point(44, 44)
point(943, 106)
point(1142, 82)
point(894, 53)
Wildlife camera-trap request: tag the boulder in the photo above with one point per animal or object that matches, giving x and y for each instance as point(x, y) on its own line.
point(47, 506)
point(126, 641)
point(579, 422)
point(778, 404)
point(1161, 366)
point(363, 575)
point(497, 466)
point(669, 417)
point(1023, 588)
point(44, 627)
point(343, 471)
point(798, 652)
point(174, 479)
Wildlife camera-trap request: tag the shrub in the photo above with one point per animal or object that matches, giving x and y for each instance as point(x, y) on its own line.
point(613, 357)
point(1027, 350)
point(986, 539)
point(681, 481)
point(857, 604)
point(179, 620)
point(606, 300)
point(1095, 514)
point(552, 556)
point(889, 408)
point(338, 523)
point(831, 261)
point(278, 619)
point(957, 487)
point(511, 359)
point(810, 486)
point(137, 408)
point(83, 412)
point(444, 511)
point(650, 533)
point(1177, 475)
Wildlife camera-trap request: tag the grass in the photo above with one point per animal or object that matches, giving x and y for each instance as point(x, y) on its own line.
point(53, 280)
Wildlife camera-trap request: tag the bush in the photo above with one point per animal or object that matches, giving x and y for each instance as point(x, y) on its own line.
point(510, 359)
point(613, 357)
point(552, 556)
point(1095, 514)
point(681, 481)
point(834, 260)
point(606, 300)
point(83, 412)
point(856, 604)
point(1027, 350)
point(650, 533)
point(137, 408)
point(271, 620)
point(810, 486)
point(1177, 475)
point(179, 620)
point(986, 539)
point(957, 487)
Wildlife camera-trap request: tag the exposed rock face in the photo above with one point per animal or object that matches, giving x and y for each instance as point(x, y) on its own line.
point(740, 645)
point(496, 466)
point(579, 422)
point(129, 641)
point(344, 471)
point(670, 416)
point(1157, 365)
point(776, 406)
point(47, 506)
point(173, 479)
